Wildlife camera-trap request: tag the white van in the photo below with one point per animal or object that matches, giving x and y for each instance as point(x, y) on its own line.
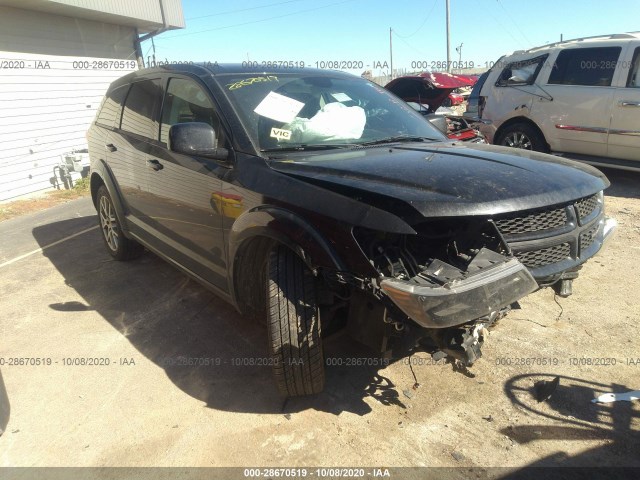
point(579, 98)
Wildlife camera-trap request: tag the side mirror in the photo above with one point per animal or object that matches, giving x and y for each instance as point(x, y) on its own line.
point(195, 138)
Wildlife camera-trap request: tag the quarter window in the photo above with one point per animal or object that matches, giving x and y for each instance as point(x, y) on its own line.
point(523, 72)
point(187, 102)
point(111, 108)
point(585, 66)
point(634, 71)
point(139, 114)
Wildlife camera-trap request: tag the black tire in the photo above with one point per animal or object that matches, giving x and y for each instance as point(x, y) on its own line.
point(118, 246)
point(521, 135)
point(293, 322)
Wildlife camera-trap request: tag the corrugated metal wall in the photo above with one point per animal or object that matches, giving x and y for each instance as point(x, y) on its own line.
point(37, 32)
point(47, 101)
point(140, 9)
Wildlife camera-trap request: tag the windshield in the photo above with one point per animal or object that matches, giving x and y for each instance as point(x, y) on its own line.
point(315, 111)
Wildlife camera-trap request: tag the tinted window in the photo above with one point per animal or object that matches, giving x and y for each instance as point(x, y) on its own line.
point(186, 101)
point(139, 114)
point(585, 66)
point(111, 109)
point(475, 91)
point(634, 71)
point(523, 72)
point(473, 103)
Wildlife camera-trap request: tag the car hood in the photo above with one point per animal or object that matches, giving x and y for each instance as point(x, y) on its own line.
point(420, 180)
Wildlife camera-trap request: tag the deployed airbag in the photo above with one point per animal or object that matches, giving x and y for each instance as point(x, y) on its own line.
point(334, 121)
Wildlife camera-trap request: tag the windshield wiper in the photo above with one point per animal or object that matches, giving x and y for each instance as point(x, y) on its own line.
point(400, 138)
point(310, 147)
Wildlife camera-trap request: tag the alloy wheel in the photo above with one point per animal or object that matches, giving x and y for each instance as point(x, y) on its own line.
point(109, 223)
point(517, 140)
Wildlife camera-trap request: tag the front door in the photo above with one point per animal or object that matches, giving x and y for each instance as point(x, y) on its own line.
point(182, 189)
point(624, 134)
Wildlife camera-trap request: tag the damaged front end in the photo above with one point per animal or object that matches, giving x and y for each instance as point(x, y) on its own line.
point(442, 295)
point(446, 284)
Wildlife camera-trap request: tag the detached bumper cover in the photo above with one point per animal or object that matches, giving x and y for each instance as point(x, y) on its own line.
point(464, 299)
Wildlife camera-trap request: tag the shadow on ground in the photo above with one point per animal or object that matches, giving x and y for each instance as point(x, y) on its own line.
point(570, 415)
point(207, 349)
point(5, 407)
point(624, 183)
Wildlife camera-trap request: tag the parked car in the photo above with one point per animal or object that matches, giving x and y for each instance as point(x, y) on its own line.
point(432, 95)
point(453, 100)
point(579, 98)
point(316, 200)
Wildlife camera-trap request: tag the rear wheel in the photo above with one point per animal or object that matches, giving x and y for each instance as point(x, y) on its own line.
point(294, 325)
point(521, 135)
point(120, 247)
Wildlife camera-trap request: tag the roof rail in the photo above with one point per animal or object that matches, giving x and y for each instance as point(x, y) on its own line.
point(612, 36)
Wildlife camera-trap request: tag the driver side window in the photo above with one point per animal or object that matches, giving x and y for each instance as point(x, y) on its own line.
point(185, 102)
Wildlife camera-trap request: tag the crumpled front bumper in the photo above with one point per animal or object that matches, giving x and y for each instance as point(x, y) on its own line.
point(464, 299)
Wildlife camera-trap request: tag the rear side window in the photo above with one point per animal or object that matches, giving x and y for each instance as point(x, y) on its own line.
point(585, 66)
point(109, 115)
point(634, 72)
point(139, 115)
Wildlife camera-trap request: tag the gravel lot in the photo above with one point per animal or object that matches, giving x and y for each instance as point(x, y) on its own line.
point(71, 302)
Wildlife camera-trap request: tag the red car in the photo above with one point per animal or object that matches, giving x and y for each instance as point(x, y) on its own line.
point(453, 100)
point(428, 91)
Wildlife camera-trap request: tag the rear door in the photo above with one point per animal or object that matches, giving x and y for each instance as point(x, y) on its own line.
point(129, 146)
point(575, 113)
point(100, 134)
point(624, 134)
point(185, 207)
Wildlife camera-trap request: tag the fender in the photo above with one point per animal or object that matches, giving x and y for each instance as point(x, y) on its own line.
point(282, 226)
point(287, 228)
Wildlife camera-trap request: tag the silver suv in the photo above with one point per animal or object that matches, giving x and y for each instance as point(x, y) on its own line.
point(579, 98)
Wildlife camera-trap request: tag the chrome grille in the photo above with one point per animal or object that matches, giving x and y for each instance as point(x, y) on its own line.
point(586, 206)
point(544, 256)
point(532, 222)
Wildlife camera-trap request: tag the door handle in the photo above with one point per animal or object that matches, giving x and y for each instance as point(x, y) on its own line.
point(627, 103)
point(155, 165)
point(111, 147)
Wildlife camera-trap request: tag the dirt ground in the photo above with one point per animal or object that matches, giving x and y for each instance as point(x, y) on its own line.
point(42, 200)
point(71, 301)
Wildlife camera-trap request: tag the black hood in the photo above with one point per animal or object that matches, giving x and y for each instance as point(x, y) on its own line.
point(447, 179)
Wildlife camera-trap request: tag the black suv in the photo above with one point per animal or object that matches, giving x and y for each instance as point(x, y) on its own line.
point(316, 200)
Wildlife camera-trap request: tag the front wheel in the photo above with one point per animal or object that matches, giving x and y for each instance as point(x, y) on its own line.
point(294, 325)
point(120, 247)
point(521, 135)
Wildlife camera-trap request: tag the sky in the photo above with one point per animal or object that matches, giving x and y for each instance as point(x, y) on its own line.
point(355, 33)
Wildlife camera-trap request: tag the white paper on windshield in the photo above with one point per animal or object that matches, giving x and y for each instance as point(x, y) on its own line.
point(278, 107)
point(341, 97)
